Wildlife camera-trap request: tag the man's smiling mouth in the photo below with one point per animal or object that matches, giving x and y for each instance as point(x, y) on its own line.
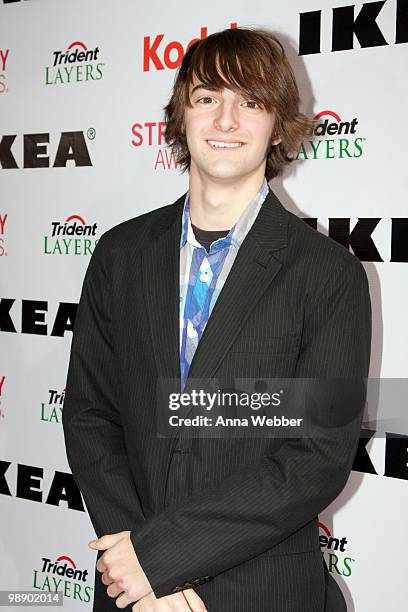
point(220, 144)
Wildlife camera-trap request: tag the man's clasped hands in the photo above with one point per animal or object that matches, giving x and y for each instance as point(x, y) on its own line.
point(125, 579)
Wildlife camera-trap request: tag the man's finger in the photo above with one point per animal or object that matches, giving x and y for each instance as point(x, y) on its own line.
point(178, 602)
point(106, 541)
point(194, 601)
point(150, 603)
point(114, 590)
point(101, 565)
point(106, 580)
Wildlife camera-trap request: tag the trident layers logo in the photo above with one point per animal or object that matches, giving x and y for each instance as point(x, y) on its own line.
point(335, 551)
point(63, 575)
point(51, 410)
point(77, 63)
point(71, 237)
point(336, 138)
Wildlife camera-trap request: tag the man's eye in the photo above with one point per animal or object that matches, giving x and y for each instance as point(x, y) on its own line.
point(204, 98)
point(253, 103)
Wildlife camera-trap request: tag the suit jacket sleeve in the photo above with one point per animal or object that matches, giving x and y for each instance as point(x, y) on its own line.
point(254, 509)
point(93, 433)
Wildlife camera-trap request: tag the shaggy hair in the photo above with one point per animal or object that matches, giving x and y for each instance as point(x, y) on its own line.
point(253, 63)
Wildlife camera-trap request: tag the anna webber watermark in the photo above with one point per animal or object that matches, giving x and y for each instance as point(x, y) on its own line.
point(288, 408)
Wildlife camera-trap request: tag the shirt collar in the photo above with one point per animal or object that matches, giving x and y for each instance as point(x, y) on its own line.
point(237, 233)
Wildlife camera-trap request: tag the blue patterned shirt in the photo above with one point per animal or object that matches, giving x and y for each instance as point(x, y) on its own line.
point(203, 274)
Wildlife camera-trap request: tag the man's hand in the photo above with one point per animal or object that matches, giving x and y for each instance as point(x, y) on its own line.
point(185, 601)
point(121, 569)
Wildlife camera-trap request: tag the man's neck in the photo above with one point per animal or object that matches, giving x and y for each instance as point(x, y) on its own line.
point(216, 205)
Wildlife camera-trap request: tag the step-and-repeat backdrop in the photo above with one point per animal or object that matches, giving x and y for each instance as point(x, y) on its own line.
point(82, 87)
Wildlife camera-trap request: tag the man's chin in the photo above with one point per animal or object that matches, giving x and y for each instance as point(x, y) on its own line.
point(223, 174)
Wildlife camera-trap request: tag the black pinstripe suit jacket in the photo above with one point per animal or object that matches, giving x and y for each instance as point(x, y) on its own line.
point(236, 519)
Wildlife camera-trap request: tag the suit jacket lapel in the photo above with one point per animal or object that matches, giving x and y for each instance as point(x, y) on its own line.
point(161, 278)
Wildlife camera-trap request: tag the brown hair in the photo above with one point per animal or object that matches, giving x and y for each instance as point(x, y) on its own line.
point(253, 62)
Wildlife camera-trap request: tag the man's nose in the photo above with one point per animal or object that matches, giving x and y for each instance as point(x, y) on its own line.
point(226, 117)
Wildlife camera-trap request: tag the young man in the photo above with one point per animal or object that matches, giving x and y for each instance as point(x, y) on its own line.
point(222, 283)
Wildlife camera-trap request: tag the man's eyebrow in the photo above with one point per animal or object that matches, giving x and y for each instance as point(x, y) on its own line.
point(204, 86)
point(209, 87)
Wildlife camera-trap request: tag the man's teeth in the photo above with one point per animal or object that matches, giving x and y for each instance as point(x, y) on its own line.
point(218, 143)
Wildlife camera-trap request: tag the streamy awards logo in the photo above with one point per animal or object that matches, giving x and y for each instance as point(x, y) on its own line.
point(4, 56)
point(2, 380)
point(3, 219)
point(150, 135)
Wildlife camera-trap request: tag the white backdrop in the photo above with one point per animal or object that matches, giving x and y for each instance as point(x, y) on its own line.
point(118, 169)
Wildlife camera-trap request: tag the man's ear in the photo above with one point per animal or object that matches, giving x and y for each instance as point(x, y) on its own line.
point(273, 143)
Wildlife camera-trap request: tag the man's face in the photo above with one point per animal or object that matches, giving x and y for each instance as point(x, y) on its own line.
point(228, 135)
